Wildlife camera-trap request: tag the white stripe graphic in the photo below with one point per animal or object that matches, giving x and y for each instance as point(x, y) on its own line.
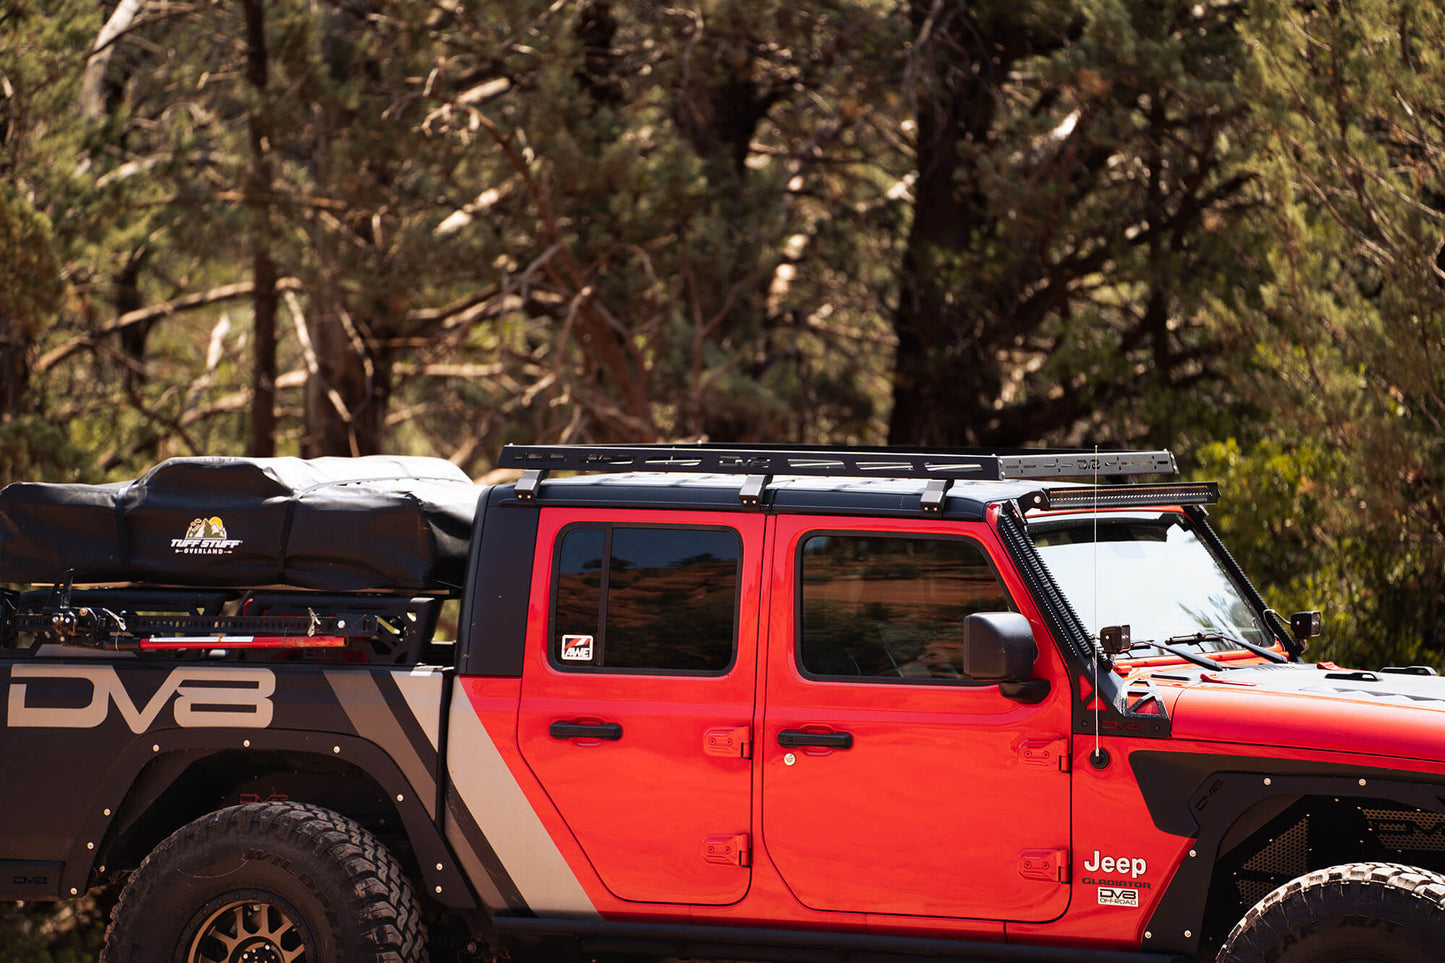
point(422, 690)
point(501, 809)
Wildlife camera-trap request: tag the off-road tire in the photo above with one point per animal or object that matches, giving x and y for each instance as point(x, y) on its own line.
point(1376, 912)
point(276, 882)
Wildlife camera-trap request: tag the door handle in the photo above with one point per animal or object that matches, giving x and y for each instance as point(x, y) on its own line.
point(610, 731)
point(798, 739)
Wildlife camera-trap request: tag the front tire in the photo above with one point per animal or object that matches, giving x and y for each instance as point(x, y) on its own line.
point(276, 882)
point(1365, 912)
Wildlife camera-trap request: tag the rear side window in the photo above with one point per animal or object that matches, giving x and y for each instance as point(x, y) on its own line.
point(646, 599)
point(891, 607)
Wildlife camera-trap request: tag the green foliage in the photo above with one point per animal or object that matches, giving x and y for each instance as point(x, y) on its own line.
point(1351, 325)
point(1060, 283)
point(607, 221)
point(34, 449)
point(30, 295)
point(1302, 522)
point(30, 284)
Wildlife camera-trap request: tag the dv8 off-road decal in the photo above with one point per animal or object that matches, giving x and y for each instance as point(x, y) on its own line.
point(225, 697)
point(1120, 880)
point(1118, 896)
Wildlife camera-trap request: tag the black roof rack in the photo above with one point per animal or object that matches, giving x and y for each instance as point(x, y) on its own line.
point(872, 462)
point(939, 466)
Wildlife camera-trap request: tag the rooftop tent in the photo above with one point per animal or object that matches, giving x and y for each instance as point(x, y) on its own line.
point(332, 524)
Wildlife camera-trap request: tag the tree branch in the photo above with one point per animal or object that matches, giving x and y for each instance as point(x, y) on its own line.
point(92, 92)
point(130, 319)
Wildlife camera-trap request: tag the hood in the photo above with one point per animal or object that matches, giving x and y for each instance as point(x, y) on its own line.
point(1318, 707)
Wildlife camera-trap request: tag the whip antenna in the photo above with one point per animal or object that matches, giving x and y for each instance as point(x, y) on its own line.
point(1097, 752)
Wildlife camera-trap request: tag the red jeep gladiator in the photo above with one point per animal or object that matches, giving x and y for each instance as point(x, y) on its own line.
point(762, 702)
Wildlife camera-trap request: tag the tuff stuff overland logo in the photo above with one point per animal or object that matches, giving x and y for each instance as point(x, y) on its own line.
point(205, 536)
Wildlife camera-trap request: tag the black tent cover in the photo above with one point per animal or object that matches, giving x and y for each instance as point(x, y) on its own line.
point(375, 523)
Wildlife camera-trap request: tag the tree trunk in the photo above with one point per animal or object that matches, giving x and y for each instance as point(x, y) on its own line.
point(718, 105)
point(14, 367)
point(263, 268)
point(263, 374)
point(347, 391)
point(946, 375)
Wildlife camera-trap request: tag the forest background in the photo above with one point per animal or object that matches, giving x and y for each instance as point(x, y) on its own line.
point(319, 227)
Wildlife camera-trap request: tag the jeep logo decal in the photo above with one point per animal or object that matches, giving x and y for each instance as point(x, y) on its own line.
point(244, 702)
point(1132, 865)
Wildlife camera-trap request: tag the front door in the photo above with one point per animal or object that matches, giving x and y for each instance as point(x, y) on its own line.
point(891, 784)
point(637, 695)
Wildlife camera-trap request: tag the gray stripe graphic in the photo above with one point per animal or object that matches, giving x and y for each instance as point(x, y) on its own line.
point(372, 718)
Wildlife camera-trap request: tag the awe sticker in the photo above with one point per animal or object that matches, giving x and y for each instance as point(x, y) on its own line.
point(576, 648)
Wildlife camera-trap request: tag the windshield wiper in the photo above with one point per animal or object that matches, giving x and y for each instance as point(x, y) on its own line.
point(1270, 654)
point(1183, 653)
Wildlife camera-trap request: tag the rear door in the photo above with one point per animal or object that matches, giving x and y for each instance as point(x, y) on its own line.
point(890, 783)
point(638, 692)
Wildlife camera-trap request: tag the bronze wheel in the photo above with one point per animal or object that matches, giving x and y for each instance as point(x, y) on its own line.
point(251, 927)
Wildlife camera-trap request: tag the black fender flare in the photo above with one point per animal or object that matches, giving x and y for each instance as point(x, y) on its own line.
point(176, 750)
point(1205, 796)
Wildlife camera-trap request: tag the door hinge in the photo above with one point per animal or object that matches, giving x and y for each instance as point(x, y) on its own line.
point(735, 742)
point(1051, 754)
point(1050, 865)
point(733, 850)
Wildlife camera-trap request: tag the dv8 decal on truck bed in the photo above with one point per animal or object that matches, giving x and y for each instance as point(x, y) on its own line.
point(203, 697)
point(696, 701)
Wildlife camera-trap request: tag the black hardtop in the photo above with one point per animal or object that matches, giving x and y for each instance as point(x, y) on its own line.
point(884, 497)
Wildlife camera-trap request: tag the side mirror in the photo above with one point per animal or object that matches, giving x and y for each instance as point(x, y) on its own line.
point(998, 647)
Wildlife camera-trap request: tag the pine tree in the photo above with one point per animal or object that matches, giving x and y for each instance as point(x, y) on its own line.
point(1079, 194)
point(31, 288)
point(1352, 326)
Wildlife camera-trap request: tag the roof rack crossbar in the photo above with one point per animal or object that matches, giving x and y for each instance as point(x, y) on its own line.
point(943, 463)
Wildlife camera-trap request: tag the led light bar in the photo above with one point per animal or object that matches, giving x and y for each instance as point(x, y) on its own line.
point(1122, 496)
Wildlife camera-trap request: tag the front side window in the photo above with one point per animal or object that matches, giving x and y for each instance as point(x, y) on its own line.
point(646, 599)
point(887, 607)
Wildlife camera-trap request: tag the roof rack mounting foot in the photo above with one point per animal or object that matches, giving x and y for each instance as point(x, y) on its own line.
point(751, 493)
point(934, 495)
point(526, 487)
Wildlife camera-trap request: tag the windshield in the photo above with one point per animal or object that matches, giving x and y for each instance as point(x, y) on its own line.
point(1153, 575)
